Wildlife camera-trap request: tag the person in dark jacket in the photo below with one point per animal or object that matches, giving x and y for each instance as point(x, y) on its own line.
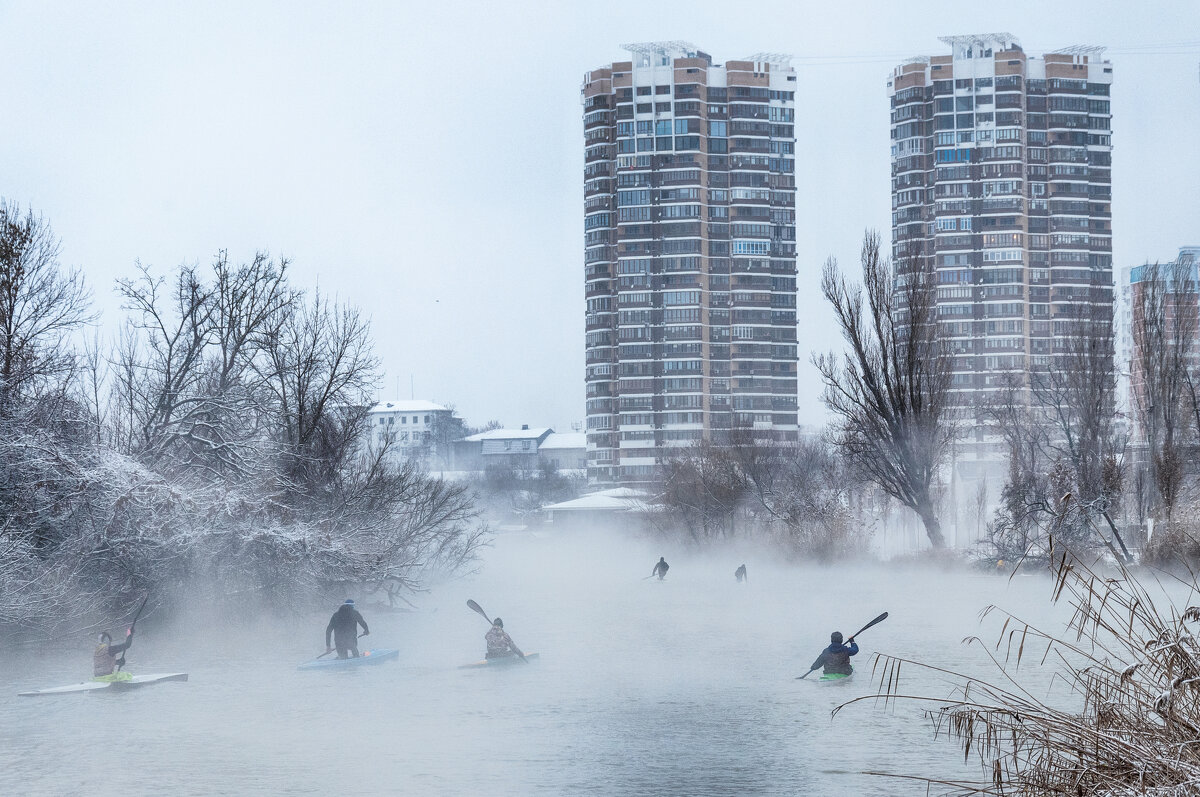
point(343, 626)
point(660, 569)
point(740, 574)
point(105, 660)
point(836, 658)
point(499, 643)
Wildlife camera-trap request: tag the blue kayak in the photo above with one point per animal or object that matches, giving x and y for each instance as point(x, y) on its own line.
point(377, 656)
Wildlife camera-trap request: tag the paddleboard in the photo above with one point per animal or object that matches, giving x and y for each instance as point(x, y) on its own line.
point(367, 657)
point(834, 678)
point(501, 662)
point(93, 686)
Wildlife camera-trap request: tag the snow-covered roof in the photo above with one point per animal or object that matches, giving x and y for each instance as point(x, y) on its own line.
point(510, 434)
point(559, 440)
point(407, 406)
point(618, 499)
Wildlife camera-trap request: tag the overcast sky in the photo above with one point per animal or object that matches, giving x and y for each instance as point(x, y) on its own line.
point(425, 161)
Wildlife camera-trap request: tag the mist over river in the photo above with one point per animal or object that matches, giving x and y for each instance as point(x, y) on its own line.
point(684, 687)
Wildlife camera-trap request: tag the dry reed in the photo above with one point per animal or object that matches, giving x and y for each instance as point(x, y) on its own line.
point(1133, 665)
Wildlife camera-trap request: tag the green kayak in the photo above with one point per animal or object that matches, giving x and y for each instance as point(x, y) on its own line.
point(834, 678)
point(504, 661)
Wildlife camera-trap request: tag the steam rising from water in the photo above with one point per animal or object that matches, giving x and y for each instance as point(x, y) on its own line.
point(684, 687)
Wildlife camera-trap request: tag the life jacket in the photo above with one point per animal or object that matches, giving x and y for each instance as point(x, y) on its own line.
point(498, 641)
point(104, 661)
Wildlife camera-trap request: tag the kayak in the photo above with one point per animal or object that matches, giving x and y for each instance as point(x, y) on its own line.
point(501, 662)
point(119, 685)
point(378, 656)
point(834, 678)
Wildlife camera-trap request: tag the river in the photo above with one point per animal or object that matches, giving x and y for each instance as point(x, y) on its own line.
point(684, 687)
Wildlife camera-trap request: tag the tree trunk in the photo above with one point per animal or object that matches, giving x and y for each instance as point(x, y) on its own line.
point(933, 527)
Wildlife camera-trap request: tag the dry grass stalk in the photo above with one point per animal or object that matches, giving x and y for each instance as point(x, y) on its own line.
point(1133, 662)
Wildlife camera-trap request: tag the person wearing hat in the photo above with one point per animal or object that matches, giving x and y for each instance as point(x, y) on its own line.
point(660, 569)
point(343, 626)
point(836, 658)
point(499, 643)
point(105, 660)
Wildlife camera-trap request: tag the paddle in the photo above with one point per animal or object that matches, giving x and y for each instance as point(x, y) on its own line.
point(121, 661)
point(326, 653)
point(876, 621)
point(475, 607)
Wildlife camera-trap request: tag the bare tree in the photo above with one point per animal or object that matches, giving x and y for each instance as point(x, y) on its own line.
point(1164, 336)
point(701, 488)
point(889, 390)
point(172, 322)
point(1077, 397)
point(41, 305)
point(809, 491)
point(190, 364)
point(242, 462)
point(320, 370)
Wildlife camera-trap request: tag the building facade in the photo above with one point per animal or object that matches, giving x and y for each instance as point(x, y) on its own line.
point(510, 448)
point(416, 430)
point(1001, 191)
point(1178, 300)
point(689, 254)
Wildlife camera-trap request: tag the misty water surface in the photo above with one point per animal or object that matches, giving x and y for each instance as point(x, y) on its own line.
point(684, 687)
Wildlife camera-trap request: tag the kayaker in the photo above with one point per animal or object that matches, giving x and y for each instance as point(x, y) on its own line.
point(105, 660)
point(836, 658)
point(661, 568)
point(499, 643)
point(740, 574)
point(344, 628)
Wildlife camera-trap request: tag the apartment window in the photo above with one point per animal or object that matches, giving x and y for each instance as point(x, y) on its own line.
point(403, 419)
point(414, 419)
point(643, 91)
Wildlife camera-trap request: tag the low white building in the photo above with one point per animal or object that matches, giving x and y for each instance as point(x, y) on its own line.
point(412, 426)
point(617, 507)
point(516, 448)
point(565, 451)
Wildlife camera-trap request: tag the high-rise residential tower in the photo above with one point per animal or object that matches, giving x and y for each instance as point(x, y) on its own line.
point(1177, 297)
point(689, 255)
point(1001, 189)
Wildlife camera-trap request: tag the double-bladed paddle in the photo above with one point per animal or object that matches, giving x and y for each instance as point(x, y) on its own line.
point(326, 653)
point(876, 621)
point(121, 661)
point(475, 607)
